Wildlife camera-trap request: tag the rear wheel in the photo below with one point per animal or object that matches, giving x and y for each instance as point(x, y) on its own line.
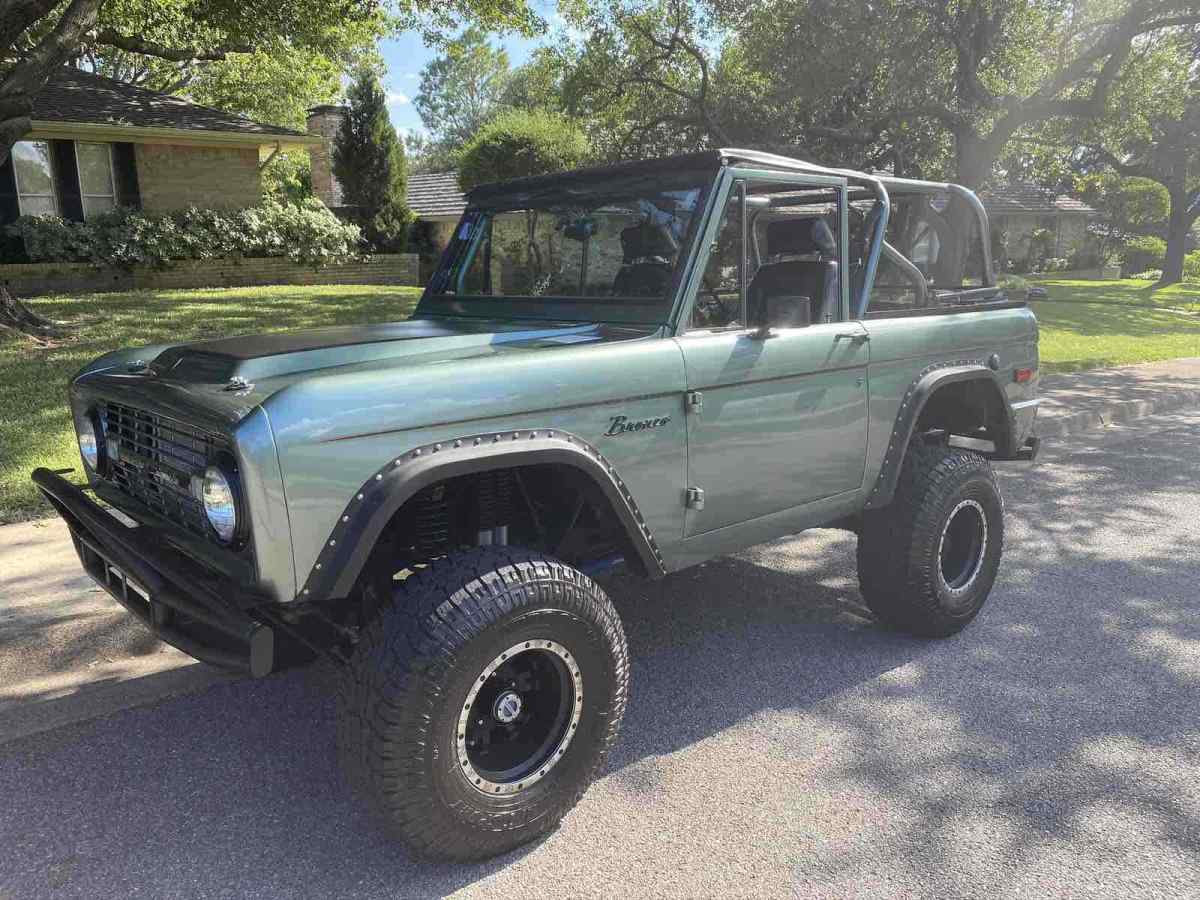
point(927, 561)
point(481, 702)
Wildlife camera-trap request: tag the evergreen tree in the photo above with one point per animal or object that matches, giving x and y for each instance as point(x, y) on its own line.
point(368, 160)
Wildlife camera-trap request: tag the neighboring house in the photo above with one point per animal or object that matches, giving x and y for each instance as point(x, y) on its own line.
point(97, 143)
point(438, 201)
point(1016, 211)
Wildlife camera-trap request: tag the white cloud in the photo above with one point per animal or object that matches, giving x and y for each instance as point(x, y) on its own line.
point(396, 98)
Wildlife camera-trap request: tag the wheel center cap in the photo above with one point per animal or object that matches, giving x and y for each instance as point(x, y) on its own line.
point(507, 708)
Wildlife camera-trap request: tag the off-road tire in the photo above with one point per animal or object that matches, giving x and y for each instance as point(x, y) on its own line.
point(401, 697)
point(900, 547)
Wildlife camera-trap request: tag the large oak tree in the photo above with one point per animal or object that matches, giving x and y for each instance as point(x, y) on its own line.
point(933, 87)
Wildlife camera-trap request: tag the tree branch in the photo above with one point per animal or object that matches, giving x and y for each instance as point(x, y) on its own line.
point(1130, 169)
point(16, 16)
point(29, 75)
point(112, 38)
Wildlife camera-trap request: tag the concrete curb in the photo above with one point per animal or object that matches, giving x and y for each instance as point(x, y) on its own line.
point(1113, 413)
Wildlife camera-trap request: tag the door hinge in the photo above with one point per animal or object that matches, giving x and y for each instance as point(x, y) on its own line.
point(694, 498)
point(694, 401)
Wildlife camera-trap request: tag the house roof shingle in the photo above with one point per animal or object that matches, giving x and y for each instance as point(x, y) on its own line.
point(75, 96)
point(1030, 199)
point(435, 195)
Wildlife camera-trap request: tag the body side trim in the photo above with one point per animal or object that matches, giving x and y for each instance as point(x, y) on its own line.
point(636, 398)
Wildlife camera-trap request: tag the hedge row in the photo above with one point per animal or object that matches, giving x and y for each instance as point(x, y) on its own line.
point(125, 238)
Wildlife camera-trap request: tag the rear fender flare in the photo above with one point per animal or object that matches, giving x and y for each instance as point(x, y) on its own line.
point(359, 526)
point(924, 386)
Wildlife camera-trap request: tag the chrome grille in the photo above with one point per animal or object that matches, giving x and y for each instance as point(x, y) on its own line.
point(158, 461)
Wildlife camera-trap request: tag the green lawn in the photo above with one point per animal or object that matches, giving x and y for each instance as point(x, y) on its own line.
point(35, 429)
point(1086, 324)
point(1124, 291)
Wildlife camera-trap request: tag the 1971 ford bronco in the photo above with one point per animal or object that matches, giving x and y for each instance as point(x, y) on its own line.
point(649, 365)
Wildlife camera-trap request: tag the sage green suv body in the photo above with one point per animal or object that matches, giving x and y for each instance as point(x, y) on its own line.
point(650, 364)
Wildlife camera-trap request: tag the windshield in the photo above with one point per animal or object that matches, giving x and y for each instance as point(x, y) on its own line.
point(622, 242)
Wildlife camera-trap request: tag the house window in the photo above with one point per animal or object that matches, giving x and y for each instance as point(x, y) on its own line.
point(35, 178)
point(96, 182)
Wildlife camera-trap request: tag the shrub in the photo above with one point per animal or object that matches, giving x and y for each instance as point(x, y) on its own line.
point(1191, 266)
point(1143, 252)
point(1148, 275)
point(306, 233)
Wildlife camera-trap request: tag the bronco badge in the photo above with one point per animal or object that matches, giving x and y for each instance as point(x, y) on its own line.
point(622, 425)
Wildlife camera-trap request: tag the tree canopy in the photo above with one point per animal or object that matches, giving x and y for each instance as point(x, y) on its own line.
point(518, 143)
point(179, 39)
point(461, 88)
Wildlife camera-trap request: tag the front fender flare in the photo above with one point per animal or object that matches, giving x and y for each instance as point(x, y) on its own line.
point(924, 386)
point(360, 524)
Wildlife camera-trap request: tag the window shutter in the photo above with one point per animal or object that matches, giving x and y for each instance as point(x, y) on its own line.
point(125, 164)
point(10, 208)
point(66, 180)
point(12, 249)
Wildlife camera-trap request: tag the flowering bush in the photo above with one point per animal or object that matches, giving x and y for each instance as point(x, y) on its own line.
point(308, 233)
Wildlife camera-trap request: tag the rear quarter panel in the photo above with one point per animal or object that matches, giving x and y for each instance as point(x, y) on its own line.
point(902, 348)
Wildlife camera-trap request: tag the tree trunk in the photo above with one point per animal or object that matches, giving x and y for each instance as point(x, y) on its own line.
point(1179, 223)
point(16, 315)
point(28, 75)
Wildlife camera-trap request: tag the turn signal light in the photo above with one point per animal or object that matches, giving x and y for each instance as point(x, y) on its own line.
point(1023, 375)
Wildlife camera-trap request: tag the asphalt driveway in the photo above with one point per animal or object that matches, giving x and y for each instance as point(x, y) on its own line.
point(777, 741)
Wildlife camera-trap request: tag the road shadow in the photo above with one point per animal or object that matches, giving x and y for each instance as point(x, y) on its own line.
point(1073, 692)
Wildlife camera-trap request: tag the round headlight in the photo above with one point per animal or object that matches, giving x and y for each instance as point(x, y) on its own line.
point(220, 503)
point(89, 443)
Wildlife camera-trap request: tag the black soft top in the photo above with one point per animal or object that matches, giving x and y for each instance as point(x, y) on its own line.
point(592, 178)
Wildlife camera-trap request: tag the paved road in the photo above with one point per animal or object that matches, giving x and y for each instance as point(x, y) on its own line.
point(777, 740)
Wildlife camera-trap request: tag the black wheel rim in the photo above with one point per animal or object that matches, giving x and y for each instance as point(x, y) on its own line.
point(963, 546)
point(519, 717)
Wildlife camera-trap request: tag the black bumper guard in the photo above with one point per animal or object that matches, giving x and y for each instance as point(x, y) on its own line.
point(184, 603)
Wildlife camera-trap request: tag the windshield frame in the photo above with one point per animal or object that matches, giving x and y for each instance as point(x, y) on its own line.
point(615, 310)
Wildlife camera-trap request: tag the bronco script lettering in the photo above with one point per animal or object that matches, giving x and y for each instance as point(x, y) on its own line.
point(621, 425)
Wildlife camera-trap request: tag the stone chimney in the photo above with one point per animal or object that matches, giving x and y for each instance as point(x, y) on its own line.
point(325, 121)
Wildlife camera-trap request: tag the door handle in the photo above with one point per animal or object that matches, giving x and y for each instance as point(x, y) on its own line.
point(858, 337)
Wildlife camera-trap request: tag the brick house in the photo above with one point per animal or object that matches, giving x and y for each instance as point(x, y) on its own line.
point(1016, 211)
point(97, 144)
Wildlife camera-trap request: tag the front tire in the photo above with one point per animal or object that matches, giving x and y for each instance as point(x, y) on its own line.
point(482, 701)
point(927, 561)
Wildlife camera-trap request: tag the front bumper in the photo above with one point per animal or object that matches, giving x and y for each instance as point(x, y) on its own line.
point(184, 603)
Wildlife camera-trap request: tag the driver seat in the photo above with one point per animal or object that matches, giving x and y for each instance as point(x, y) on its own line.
point(815, 276)
point(648, 261)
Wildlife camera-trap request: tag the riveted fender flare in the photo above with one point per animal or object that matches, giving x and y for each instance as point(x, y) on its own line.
point(923, 387)
point(372, 506)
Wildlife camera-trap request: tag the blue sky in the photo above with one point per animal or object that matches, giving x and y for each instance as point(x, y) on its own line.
point(407, 55)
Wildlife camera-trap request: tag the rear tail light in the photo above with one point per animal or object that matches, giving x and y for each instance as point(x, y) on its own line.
point(1023, 375)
